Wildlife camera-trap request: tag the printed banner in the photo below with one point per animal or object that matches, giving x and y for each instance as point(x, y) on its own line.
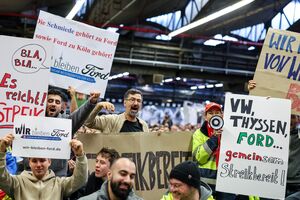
point(154, 155)
point(254, 146)
point(24, 75)
point(82, 55)
point(278, 69)
point(42, 137)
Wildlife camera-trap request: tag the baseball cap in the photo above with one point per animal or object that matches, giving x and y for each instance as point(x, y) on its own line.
point(212, 105)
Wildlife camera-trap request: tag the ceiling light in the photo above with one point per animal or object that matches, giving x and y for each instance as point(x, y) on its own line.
point(125, 73)
point(251, 48)
point(229, 38)
point(209, 86)
point(163, 37)
point(75, 9)
point(168, 80)
point(178, 78)
point(193, 87)
point(211, 17)
point(112, 29)
point(201, 86)
point(219, 85)
point(213, 42)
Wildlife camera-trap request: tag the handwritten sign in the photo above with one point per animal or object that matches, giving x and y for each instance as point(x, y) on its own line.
point(254, 146)
point(153, 158)
point(24, 75)
point(82, 55)
point(278, 69)
point(42, 137)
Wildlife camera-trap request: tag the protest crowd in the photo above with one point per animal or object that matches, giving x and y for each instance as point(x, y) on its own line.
point(99, 169)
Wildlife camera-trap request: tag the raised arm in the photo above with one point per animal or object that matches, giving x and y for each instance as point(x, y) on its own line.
point(80, 115)
point(7, 182)
point(73, 104)
point(80, 174)
point(93, 121)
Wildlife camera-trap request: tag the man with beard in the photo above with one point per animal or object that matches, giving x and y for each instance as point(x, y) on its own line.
point(55, 104)
point(185, 184)
point(125, 122)
point(54, 109)
point(119, 184)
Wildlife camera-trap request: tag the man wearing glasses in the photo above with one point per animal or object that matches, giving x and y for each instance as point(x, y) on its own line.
point(185, 184)
point(124, 122)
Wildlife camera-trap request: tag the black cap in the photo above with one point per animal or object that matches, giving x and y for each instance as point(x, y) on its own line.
point(187, 172)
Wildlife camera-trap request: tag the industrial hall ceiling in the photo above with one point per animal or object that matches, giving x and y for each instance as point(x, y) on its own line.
point(165, 70)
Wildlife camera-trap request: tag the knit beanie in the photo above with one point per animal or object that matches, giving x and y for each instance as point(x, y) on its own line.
point(187, 172)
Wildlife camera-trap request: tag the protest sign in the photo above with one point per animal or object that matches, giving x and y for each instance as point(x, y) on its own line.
point(278, 69)
point(154, 155)
point(82, 55)
point(254, 146)
point(24, 75)
point(42, 137)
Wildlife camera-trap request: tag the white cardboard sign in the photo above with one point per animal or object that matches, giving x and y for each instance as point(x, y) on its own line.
point(42, 137)
point(24, 75)
point(254, 146)
point(82, 55)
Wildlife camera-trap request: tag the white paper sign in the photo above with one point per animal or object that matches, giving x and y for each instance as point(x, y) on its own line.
point(254, 146)
point(42, 137)
point(24, 75)
point(82, 55)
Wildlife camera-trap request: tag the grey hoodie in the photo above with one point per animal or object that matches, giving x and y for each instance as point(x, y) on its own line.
point(27, 187)
point(102, 194)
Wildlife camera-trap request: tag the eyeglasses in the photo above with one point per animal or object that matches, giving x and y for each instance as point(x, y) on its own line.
point(132, 100)
point(174, 185)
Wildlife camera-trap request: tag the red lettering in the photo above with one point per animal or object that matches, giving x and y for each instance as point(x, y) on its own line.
point(28, 54)
point(8, 113)
point(4, 81)
point(13, 84)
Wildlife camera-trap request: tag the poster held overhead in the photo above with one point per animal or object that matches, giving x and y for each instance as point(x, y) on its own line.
point(278, 69)
point(82, 56)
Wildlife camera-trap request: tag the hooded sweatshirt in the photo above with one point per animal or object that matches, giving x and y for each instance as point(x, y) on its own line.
point(27, 187)
point(205, 193)
point(102, 194)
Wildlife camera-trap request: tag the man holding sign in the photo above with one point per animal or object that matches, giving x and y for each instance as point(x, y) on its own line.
point(54, 108)
point(206, 148)
point(40, 182)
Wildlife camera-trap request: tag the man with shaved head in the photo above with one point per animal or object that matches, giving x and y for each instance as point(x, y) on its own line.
point(119, 184)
